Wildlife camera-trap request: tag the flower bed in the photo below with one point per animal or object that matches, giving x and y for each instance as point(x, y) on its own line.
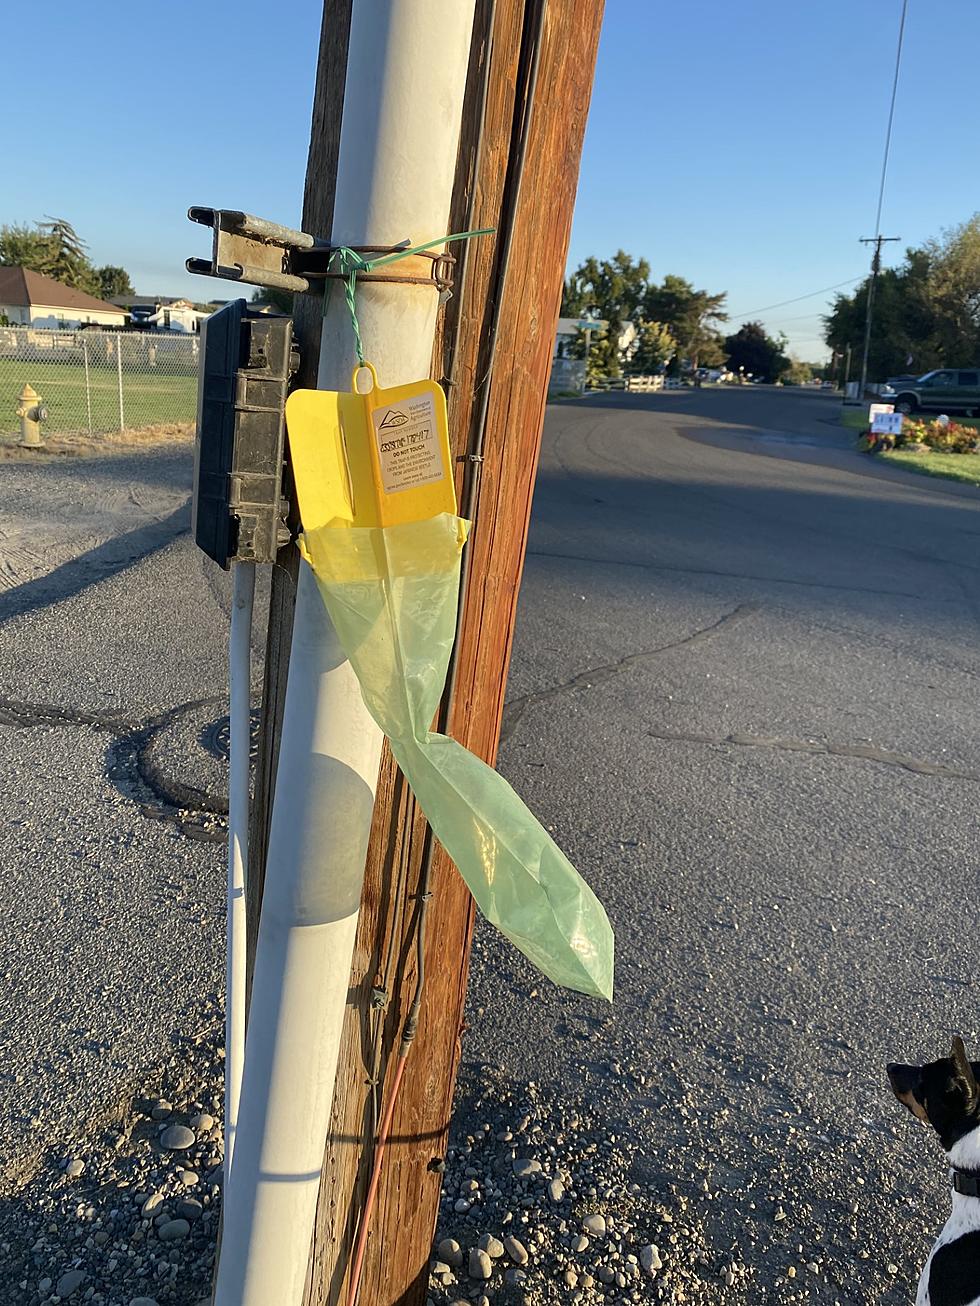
point(918, 436)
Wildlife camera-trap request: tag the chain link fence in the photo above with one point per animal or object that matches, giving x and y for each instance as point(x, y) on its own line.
point(96, 382)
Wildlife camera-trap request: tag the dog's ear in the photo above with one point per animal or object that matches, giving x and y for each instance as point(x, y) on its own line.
point(964, 1073)
point(906, 1082)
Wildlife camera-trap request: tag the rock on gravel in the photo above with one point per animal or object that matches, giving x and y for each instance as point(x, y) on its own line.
point(650, 1259)
point(449, 1251)
point(70, 1282)
point(525, 1167)
point(126, 1230)
point(173, 1231)
point(515, 1249)
point(177, 1138)
point(480, 1267)
point(493, 1247)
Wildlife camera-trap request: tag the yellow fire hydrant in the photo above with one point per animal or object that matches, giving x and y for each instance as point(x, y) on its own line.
point(31, 413)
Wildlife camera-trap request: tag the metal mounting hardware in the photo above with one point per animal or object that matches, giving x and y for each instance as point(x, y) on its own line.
point(246, 248)
point(248, 358)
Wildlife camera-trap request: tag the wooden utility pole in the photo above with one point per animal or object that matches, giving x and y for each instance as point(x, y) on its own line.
point(526, 296)
point(877, 241)
point(523, 300)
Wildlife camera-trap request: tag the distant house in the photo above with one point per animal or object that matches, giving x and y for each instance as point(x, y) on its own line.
point(160, 313)
point(571, 328)
point(30, 299)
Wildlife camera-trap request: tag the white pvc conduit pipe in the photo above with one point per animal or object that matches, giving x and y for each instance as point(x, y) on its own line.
point(239, 750)
point(406, 73)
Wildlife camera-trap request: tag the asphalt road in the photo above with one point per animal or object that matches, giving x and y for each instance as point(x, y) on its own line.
point(743, 695)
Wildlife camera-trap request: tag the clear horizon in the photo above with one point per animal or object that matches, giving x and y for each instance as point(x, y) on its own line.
point(741, 150)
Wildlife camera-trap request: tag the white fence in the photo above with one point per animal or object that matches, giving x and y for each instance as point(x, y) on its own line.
point(95, 382)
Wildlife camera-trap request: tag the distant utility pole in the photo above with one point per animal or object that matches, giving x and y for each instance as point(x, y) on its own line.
point(877, 241)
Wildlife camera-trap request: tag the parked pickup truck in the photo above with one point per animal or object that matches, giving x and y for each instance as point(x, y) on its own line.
point(948, 390)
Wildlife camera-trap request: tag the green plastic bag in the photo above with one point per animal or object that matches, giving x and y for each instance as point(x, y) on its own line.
point(392, 594)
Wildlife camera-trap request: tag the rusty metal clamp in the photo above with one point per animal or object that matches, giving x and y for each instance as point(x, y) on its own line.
point(263, 253)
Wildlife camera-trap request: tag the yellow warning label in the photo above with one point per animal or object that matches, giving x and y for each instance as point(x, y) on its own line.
point(374, 457)
point(408, 445)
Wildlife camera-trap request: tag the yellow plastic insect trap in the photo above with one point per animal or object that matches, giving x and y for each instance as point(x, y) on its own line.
point(374, 481)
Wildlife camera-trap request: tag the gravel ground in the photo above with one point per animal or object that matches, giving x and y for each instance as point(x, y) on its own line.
point(743, 696)
point(106, 501)
point(129, 1214)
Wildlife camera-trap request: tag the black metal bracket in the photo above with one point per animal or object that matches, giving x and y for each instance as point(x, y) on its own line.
point(248, 359)
point(246, 248)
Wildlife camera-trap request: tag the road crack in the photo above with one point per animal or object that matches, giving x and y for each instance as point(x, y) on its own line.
point(737, 575)
point(24, 715)
point(130, 766)
point(515, 708)
point(781, 743)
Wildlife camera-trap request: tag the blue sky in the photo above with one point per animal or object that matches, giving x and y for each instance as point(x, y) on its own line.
point(738, 145)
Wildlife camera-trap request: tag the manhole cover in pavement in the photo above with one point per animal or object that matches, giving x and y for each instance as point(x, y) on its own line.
point(186, 758)
point(216, 736)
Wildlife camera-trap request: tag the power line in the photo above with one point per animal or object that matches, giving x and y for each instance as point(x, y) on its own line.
point(891, 115)
point(800, 317)
point(810, 294)
point(878, 239)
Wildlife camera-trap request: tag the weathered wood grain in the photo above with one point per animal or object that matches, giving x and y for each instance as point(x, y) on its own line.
point(405, 1214)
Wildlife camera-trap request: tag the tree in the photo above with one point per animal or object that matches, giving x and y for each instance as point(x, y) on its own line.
point(68, 260)
point(279, 299)
point(655, 347)
point(709, 349)
point(952, 291)
point(602, 356)
point(55, 249)
point(926, 311)
point(673, 321)
point(23, 247)
point(612, 289)
point(903, 334)
point(753, 352)
point(113, 281)
point(691, 316)
point(796, 372)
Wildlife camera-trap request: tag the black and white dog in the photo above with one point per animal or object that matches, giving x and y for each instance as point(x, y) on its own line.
point(945, 1094)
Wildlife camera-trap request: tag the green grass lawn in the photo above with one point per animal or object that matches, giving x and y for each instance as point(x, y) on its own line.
point(856, 418)
point(149, 397)
point(952, 466)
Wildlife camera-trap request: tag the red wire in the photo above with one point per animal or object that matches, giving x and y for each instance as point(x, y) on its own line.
point(379, 1151)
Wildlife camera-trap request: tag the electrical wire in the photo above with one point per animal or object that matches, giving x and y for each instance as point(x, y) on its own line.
point(891, 115)
point(809, 295)
point(532, 40)
point(878, 240)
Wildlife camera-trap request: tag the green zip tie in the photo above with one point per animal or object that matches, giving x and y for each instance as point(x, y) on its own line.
point(351, 262)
